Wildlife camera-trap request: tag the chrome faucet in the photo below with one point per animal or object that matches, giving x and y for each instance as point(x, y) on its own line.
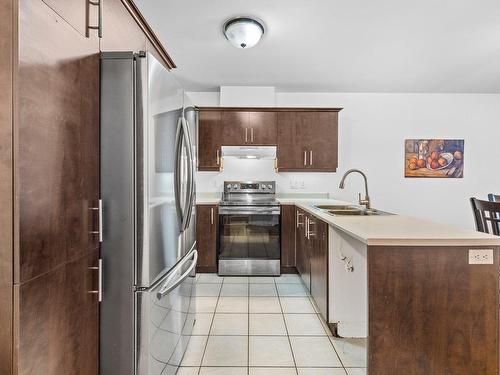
point(366, 201)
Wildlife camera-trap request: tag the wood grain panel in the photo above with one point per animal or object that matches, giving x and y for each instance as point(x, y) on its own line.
point(7, 34)
point(303, 256)
point(321, 137)
point(290, 147)
point(431, 313)
point(265, 128)
point(58, 141)
point(235, 125)
point(288, 236)
point(207, 219)
point(319, 265)
point(209, 140)
point(58, 321)
point(120, 30)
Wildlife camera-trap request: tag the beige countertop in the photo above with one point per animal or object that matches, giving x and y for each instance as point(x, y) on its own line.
point(388, 230)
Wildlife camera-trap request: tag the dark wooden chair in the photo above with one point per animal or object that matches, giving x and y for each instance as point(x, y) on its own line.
point(486, 216)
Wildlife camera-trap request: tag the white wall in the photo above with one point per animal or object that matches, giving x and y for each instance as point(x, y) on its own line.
point(372, 130)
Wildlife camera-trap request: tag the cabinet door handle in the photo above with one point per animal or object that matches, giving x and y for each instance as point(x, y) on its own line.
point(305, 158)
point(212, 216)
point(251, 135)
point(99, 212)
point(309, 232)
point(306, 228)
point(218, 156)
point(298, 216)
point(246, 135)
point(99, 288)
point(98, 27)
point(310, 157)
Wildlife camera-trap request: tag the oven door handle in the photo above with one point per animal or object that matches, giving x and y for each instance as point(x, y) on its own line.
point(252, 211)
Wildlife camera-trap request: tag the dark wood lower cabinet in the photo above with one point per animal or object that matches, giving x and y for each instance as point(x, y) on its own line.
point(57, 320)
point(207, 220)
point(288, 228)
point(302, 248)
point(319, 264)
point(431, 312)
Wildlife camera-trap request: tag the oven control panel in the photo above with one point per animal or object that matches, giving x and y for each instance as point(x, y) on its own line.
point(250, 187)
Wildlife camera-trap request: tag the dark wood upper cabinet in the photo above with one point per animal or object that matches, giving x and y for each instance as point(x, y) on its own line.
point(263, 128)
point(207, 222)
point(308, 141)
point(235, 128)
point(319, 264)
point(209, 140)
point(288, 227)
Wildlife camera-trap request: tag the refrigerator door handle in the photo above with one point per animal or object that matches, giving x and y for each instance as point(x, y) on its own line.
point(177, 172)
point(190, 197)
point(167, 288)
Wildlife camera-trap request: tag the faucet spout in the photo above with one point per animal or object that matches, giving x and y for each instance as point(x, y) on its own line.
point(366, 201)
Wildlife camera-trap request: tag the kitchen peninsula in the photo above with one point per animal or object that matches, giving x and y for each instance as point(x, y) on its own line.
point(406, 284)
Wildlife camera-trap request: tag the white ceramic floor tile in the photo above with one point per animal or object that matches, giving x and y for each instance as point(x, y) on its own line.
point(352, 352)
point(292, 290)
point(304, 325)
point(234, 290)
point(270, 305)
point(207, 290)
point(230, 324)
point(226, 351)
point(263, 290)
point(194, 351)
point(270, 351)
point(203, 304)
point(235, 280)
point(202, 324)
point(261, 280)
point(272, 371)
point(356, 371)
point(321, 371)
point(267, 325)
point(288, 279)
point(223, 371)
point(232, 305)
point(211, 278)
point(187, 371)
point(314, 352)
point(296, 305)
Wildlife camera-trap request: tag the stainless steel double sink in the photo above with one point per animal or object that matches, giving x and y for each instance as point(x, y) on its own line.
point(349, 210)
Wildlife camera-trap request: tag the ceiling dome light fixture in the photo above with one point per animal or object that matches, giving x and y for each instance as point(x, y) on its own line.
point(243, 32)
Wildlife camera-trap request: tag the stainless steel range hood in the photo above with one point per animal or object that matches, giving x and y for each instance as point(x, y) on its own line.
point(249, 152)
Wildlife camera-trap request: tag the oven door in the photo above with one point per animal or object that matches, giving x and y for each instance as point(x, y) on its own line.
point(249, 240)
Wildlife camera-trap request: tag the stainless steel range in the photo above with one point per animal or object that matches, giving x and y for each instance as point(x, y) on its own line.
point(249, 233)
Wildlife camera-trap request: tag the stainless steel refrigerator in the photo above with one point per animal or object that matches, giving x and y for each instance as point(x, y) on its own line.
point(148, 150)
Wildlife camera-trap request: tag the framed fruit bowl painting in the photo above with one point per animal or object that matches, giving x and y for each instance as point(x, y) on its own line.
point(434, 158)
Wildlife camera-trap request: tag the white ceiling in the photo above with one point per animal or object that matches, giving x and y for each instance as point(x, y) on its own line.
point(332, 45)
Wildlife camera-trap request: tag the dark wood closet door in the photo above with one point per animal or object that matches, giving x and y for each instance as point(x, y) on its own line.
point(209, 140)
point(236, 128)
point(58, 141)
point(207, 219)
point(263, 128)
point(58, 321)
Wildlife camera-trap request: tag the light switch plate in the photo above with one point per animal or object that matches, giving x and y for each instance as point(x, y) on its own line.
point(480, 256)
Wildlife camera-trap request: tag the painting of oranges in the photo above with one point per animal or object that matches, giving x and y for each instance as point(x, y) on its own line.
point(434, 158)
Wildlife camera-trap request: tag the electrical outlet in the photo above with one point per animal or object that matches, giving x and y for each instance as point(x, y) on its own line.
point(480, 256)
